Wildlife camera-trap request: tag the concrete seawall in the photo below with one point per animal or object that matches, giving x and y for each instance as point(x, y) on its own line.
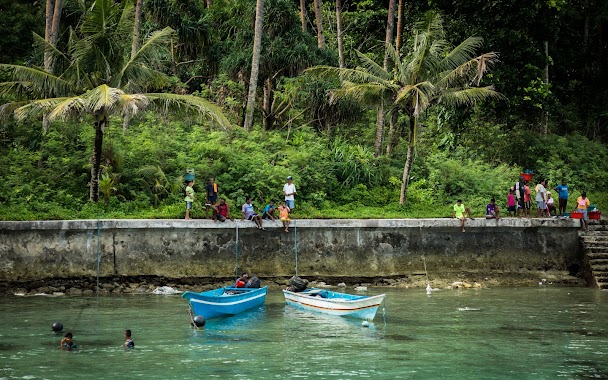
point(510, 251)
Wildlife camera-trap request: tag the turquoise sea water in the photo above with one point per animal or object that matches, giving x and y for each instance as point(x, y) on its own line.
point(516, 333)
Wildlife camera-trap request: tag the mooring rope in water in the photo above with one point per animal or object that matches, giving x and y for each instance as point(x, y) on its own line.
point(98, 253)
point(236, 264)
point(295, 244)
point(425, 272)
point(191, 315)
point(384, 311)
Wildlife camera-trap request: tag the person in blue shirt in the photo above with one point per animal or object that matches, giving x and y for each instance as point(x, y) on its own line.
point(268, 212)
point(563, 196)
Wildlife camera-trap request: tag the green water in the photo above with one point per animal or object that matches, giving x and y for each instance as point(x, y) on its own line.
point(521, 333)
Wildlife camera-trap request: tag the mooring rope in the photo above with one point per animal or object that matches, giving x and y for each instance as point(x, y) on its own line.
point(236, 264)
point(98, 253)
point(295, 244)
point(384, 311)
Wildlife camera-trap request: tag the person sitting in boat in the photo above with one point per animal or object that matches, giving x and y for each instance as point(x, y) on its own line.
point(242, 281)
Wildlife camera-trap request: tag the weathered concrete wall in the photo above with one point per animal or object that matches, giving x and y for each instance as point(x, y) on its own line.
point(338, 248)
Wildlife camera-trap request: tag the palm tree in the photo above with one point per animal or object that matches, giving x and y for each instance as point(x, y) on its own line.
point(255, 64)
point(431, 72)
point(97, 78)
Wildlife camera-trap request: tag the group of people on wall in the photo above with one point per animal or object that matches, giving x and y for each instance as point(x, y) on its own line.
point(221, 212)
point(519, 201)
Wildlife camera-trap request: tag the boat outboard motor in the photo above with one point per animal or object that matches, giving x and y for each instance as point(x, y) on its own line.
point(253, 282)
point(297, 284)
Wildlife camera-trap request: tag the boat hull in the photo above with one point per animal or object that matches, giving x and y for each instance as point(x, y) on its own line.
point(225, 301)
point(334, 303)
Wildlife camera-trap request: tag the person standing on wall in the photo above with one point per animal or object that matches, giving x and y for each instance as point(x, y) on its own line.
point(582, 204)
point(189, 199)
point(211, 190)
point(563, 196)
point(289, 189)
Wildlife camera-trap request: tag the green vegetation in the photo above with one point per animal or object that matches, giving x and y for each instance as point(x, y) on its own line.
point(303, 125)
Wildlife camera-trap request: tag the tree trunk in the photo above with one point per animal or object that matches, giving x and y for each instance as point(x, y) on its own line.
point(136, 27)
point(255, 64)
point(209, 3)
point(48, 57)
point(379, 130)
point(267, 111)
point(394, 131)
point(319, 18)
point(400, 12)
point(303, 14)
point(544, 119)
point(390, 27)
point(390, 23)
point(405, 180)
point(56, 19)
point(100, 126)
point(50, 6)
point(339, 33)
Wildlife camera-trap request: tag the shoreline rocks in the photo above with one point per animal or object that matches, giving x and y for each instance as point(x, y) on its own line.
point(147, 285)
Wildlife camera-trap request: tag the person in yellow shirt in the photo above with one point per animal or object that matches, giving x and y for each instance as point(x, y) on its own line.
point(284, 215)
point(582, 203)
point(189, 199)
point(461, 212)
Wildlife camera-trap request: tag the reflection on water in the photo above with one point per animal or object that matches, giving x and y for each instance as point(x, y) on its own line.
point(530, 333)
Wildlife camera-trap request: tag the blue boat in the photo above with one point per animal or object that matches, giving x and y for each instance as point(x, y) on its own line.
point(225, 301)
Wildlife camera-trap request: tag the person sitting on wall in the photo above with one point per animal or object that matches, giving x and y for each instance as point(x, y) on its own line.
point(551, 210)
point(268, 212)
point(222, 211)
point(492, 210)
point(461, 212)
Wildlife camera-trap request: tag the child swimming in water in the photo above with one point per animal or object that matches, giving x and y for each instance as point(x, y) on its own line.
point(67, 343)
point(128, 340)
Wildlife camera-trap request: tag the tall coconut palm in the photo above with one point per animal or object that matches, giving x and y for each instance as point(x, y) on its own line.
point(97, 78)
point(255, 64)
point(430, 72)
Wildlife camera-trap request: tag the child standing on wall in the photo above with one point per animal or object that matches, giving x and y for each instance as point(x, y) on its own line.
point(284, 215)
point(511, 209)
point(189, 197)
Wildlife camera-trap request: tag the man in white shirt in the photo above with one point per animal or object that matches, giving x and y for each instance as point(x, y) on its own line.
point(289, 189)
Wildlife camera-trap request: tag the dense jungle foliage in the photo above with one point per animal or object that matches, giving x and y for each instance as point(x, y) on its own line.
point(473, 150)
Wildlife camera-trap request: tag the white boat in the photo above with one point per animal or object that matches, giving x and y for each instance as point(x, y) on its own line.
point(328, 302)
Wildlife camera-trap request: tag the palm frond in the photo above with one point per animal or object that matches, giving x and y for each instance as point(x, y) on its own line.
point(418, 96)
point(468, 96)
point(359, 75)
point(35, 108)
point(366, 94)
point(173, 103)
point(41, 83)
point(152, 50)
point(17, 89)
point(462, 53)
point(8, 109)
point(469, 72)
point(48, 47)
point(372, 67)
point(103, 99)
